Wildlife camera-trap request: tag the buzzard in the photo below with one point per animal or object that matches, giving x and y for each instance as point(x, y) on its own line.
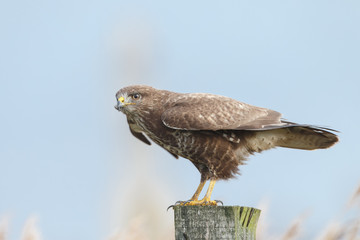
point(215, 133)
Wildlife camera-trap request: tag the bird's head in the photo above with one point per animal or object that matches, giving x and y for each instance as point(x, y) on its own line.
point(131, 98)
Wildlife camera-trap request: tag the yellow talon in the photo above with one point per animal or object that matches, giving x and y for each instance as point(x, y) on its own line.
point(206, 200)
point(202, 202)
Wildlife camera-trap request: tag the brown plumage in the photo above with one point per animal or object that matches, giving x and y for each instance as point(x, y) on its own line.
point(215, 133)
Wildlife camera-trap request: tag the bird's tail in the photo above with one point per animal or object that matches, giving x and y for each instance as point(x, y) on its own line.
point(299, 137)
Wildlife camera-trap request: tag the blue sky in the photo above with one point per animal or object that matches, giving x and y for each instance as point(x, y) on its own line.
point(67, 156)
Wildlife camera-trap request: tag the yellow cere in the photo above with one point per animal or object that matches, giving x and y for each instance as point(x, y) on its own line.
point(121, 99)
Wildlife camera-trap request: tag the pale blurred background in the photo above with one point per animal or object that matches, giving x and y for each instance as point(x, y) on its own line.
point(68, 160)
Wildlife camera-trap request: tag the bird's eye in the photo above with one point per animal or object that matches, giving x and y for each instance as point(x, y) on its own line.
point(135, 96)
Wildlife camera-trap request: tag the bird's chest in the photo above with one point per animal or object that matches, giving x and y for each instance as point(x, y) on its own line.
point(178, 142)
point(154, 129)
point(174, 140)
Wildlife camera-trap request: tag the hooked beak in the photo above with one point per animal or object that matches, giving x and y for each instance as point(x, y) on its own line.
point(117, 106)
point(121, 103)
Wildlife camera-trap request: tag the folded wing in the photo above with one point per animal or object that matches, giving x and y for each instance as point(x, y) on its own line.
point(212, 112)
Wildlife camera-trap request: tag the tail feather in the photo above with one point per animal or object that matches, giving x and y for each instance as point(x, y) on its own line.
point(308, 138)
point(299, 137)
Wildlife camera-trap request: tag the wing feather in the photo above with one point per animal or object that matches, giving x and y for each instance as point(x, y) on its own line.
point(136, 132)
point(201, 111)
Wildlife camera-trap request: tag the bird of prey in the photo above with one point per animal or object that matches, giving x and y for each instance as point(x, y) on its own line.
point(215, 133)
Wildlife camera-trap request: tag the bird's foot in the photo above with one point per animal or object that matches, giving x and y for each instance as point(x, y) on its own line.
point(202, 202)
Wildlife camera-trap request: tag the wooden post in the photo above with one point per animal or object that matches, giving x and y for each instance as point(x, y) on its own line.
point(215, 222)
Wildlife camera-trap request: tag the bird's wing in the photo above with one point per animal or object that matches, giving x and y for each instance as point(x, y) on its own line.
point(136, 133)
point(139, 135)
point(201, 111)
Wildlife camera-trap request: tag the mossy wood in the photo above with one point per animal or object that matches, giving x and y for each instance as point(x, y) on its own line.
point(215, 222)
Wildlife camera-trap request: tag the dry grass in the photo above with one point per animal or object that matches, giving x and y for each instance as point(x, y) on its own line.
point(134, 231)
point(292, 232)
point(3, 228)
point(336, 230)
point(138, 229)
point(348, 230)
point(295, 229)
point(30, 230)
point(355, 199)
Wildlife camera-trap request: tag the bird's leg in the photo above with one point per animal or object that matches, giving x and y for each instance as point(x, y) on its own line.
point(203, 202)
point(206, 200)
point(209, 191)
point(195, 197)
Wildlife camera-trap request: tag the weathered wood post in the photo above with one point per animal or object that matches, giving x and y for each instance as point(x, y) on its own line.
point(215, 222)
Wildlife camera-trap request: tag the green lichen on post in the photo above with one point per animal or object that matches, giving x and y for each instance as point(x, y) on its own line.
point(215, 222)
point(248, 216)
